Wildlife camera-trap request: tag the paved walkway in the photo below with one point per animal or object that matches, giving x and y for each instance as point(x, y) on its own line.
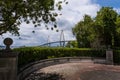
point(84, 71)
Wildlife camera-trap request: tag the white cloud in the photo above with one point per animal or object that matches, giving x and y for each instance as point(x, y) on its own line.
point(117, 10)
point(71, 14)
point(75, 10)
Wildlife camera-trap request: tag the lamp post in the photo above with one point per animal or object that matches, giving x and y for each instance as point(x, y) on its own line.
point(8, 42)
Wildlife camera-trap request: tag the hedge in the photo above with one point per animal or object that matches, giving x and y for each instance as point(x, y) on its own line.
point(31, 54)
point(116, 56)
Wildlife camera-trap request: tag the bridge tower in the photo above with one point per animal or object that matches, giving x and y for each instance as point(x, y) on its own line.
point(62, 39)
point(48, 41)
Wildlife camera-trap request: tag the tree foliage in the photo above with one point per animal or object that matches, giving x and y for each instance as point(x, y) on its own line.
point(72, 44)
point(14, 12)
point(106, 19)
point(117, 36)
point(82, 31)
point(103, 30)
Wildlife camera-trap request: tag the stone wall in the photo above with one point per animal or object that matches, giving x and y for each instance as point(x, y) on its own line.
point(8, 66)
point(8, 62)
point(109, 56)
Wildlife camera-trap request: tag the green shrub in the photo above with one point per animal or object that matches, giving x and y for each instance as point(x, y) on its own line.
point(31, 54)
point(116, 56)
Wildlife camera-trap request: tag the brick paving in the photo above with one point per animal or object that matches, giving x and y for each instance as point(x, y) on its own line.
point(84, 71)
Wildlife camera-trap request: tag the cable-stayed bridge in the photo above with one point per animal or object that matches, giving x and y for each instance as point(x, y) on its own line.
point(56, 43)
point(60, 43)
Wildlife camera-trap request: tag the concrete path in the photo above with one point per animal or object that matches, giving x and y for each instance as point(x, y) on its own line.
point(84, 71)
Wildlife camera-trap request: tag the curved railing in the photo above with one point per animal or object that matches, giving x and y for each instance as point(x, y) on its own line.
point(30, 68)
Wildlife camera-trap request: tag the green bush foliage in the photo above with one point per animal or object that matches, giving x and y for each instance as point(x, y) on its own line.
point(31, 54)
point(116, 56)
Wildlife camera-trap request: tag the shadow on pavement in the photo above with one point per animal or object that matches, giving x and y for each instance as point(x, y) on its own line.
point(45, 76)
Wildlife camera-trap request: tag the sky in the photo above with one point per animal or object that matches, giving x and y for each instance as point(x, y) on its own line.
point(72, 13)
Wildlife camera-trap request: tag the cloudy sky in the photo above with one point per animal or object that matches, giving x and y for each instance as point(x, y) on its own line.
point(72, 13)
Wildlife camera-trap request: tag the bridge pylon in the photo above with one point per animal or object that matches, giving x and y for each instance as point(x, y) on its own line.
point(62, 39)
point(48, 41)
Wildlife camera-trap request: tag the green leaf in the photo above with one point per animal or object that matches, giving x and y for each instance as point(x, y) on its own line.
point(55, 26)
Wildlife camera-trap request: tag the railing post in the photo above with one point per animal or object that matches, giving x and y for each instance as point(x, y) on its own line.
point(109, 56)
point(56, 60)
point(68, 59)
